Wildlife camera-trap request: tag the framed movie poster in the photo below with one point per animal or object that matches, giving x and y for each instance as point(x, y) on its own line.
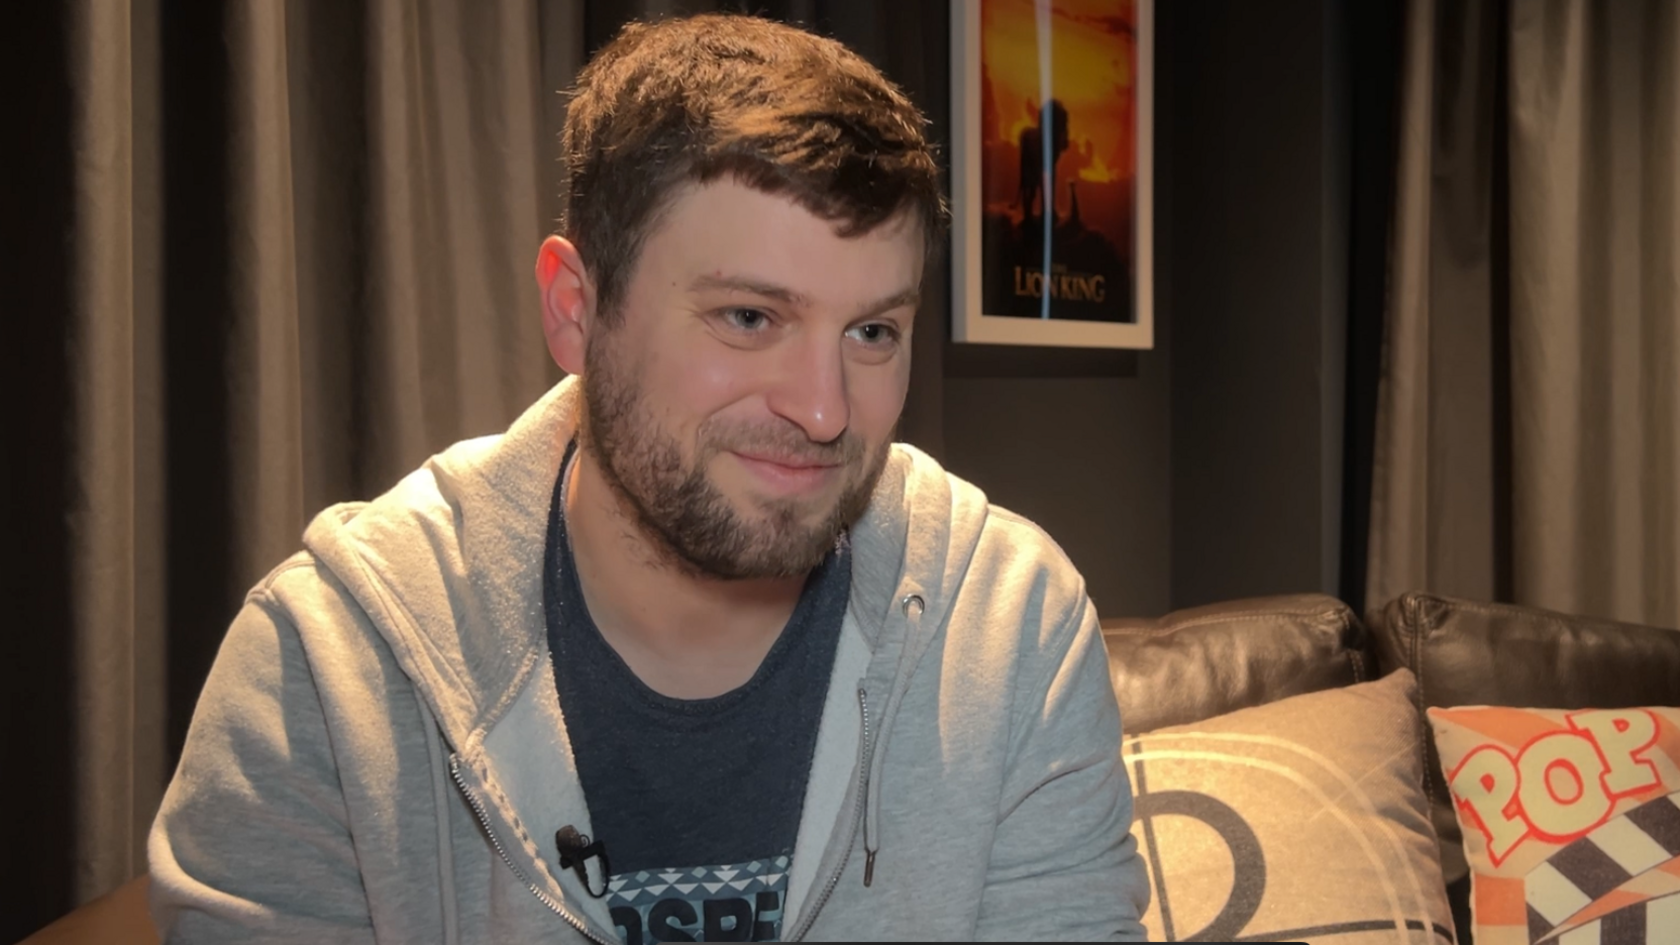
point(1051, 172)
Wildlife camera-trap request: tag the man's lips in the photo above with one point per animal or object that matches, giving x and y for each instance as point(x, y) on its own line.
point(787, 462)
point(787, 473)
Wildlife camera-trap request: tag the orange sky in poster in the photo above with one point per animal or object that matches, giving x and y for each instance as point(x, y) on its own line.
point(1092, 63)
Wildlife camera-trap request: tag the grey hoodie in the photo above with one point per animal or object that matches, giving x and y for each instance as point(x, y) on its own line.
point(380, 755)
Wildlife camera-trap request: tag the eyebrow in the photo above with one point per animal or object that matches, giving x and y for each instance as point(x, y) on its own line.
point(910, 296)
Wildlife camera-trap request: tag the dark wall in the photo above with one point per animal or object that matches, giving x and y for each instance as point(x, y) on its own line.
point(1213, 470)
point(1087, 458)
point(1254, 95)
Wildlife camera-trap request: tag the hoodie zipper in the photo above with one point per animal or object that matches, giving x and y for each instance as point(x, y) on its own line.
point(864, 752)
point(543, 897)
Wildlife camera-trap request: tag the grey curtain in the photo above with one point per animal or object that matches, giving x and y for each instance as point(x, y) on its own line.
point(264, 256)
point(1526, 447)
point(298, 241)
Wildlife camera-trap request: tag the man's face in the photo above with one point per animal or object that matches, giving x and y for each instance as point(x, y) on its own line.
point(744, 397)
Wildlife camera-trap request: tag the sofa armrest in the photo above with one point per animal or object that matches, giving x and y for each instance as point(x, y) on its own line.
point(120, 917)
point(1474, 653)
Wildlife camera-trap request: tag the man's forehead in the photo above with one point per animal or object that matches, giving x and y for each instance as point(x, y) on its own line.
point(725, 235)
point(749, 285)
point(730, 193)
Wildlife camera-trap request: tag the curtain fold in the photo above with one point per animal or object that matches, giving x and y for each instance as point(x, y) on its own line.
point(1526, 444)
point(295, 261)
point(116, 536)
point(265, 372)
point(1594, 259)
point(1433, 489)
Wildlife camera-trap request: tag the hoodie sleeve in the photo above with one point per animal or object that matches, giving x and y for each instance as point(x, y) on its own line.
point(252, 841)
point(1064, 865)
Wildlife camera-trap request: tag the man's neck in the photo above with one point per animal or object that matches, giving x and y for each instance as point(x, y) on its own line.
point(683, 635)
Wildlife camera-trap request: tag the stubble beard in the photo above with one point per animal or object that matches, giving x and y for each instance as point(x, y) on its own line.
point(690, 524)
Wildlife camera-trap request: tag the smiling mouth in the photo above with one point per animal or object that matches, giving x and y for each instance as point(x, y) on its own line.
point(787, 462)
point(783, 473)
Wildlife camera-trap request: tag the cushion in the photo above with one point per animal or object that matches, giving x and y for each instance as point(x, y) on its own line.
point(1302, 820)
point(1571, 821)
point(1469, 653)
point(1198, 663)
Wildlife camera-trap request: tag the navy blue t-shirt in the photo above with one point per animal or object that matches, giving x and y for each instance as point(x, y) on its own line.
point(696, 802)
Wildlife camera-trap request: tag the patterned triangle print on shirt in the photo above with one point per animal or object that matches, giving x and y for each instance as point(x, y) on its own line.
point(733, 902)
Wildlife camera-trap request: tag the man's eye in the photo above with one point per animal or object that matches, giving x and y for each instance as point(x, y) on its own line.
point(746, 319)
point(875, 333)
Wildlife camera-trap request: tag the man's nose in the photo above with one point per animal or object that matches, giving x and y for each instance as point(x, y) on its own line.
point(811, 391)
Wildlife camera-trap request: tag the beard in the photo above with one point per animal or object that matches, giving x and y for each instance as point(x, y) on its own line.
point(688, 520)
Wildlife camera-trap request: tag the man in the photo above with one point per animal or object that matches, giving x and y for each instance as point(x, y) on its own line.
point(692, 651)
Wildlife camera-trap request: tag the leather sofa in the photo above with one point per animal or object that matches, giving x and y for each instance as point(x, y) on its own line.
point(1207, 662)
point(1198, 664)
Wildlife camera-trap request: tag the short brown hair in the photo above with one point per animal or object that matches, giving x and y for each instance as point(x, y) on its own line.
point(690, 100)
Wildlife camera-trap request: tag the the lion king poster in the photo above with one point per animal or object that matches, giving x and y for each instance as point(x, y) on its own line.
point(1053, 165)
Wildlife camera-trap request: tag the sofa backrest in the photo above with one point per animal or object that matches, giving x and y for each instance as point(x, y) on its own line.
point(1467, 653)
point(1206, 661)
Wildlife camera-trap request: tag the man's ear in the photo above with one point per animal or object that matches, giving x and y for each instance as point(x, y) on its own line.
point(568, 302)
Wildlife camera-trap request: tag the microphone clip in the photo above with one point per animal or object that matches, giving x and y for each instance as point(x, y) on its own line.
point(576, 848)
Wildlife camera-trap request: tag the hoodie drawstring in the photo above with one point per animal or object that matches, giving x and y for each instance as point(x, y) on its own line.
point(868, 788)
point(911, 606)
